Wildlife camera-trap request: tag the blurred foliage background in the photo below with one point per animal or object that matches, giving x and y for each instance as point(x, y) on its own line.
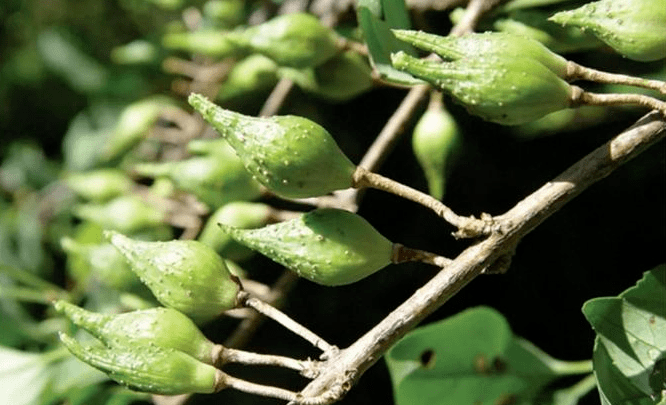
point(62, 88)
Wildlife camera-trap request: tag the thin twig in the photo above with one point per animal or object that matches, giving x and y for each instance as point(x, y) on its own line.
point(575, 71)
point(582, 97)
point(518, 222)
point(468, 227)
point(249, 326)
point(475, 9)
point(287, 322)
point(228, 355)
point(403, 254)
point(277, 97)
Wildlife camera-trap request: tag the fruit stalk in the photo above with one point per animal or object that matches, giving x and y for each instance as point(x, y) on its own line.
point(287, 322)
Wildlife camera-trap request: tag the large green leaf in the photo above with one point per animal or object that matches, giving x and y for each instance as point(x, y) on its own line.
point(470, 358)
point(631, 341)
point(23, 376)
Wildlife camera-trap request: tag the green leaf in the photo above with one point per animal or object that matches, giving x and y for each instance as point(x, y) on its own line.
point(470, 358)
point(381, 43)
point(23, 376)
point(396, 14)
point(631, 340)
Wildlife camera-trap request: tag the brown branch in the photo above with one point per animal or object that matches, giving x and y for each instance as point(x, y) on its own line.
point(340, 372)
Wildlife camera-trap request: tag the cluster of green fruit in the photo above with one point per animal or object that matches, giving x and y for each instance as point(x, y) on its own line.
point(501, 77)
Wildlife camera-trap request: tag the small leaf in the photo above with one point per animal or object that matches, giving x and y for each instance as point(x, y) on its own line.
point(381, 43)
point(632, 330)
point(470, 358)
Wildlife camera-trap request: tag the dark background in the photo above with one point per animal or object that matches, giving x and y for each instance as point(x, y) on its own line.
point(597, 245)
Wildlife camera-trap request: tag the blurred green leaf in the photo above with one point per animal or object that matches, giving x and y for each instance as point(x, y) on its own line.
point(396, 14)
point(631, 339)
point(23, 376)
point(64, 57)
point(471, 357)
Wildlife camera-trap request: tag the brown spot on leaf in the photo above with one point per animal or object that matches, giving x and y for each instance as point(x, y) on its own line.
point(427, 358)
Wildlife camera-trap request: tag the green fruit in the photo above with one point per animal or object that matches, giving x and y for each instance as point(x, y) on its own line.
point(634, 28)
point(100, 185)
point(184, 275)
point(205, 42)
point(297, 40)
point(339, 79)
point(224, 13)
point(508, 90)
point(328, 246)
point(239, 214)
point(99, 263)
point(163, 327)
point(534, 24)
point(149, 368)
point(127, 214)
point(135, 53)
point(434, 138)
point(292, 156)
point(254, 73)
point(485, 45)
point(133, 124)
point(214, 180)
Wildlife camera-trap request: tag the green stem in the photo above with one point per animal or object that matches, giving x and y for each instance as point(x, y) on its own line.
point(31, 295)
point(29, 278)
point(571, 367)
point(577, 391)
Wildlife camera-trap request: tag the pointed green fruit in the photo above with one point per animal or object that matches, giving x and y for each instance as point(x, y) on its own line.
point(163, 327)
point(434, 139)
point(100, 185)
point(205, 42)
point(485, 45)
point(133, 124)
point(341, 78)
point(328, 246)
point(149, 368)
point(254, 73)
point(98, 263)
point(297, 40)
point(292, 156)
point(224, 13)
point(182, 274)
point(534, 24)
point(240, 214)
point(505, 89)
point(127, 214)
point(634, 28)
point(214, 180)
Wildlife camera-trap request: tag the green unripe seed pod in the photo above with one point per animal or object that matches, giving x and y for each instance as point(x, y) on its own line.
point(339, 79)
point(434, 138)
point(225, 13)
point(135, 53)
point(133, 123)
point(254, 73)
point(212, 43)
point(127, 214)
point(292, 156)
point(297, 40)
point(634, 28)
point(485, 45)
point(534, 24)
point(149, 368)
point(239, 214)
point(328, 246)
point(100, 185)
point(99, 263)
point(163, 327)
point(507, 90)
point(185, 275)
point(213, 180)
